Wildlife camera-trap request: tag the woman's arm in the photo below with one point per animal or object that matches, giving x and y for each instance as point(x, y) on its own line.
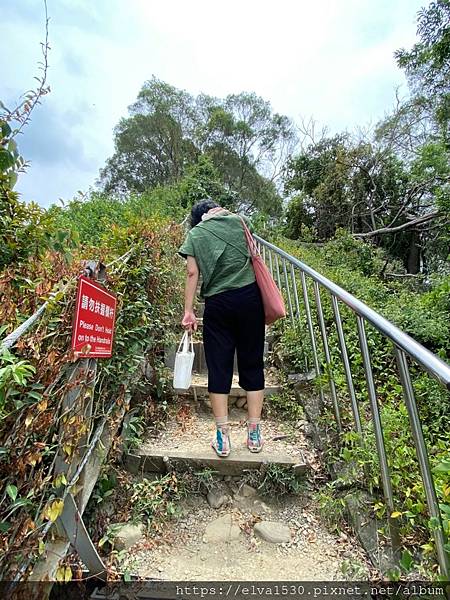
point(189, 320)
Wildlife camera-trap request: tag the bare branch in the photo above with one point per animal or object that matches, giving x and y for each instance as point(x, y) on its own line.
point(407, 225)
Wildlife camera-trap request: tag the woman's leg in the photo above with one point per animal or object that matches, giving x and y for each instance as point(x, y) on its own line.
point(250, 353)
point(219, 346)
point(219, 404)
point(254, 404)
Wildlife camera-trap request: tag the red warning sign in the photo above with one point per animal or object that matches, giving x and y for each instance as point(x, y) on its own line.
point(93, 326)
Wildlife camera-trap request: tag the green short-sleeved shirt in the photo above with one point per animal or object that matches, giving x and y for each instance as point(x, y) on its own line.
point(220, 249)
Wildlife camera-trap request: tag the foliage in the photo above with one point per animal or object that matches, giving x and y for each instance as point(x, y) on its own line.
point(275, 481)
point(355, 266)
point(169, 131)
point(285, 404)
point(427, 64)
point(366, 189)
point(155, 501)
point(33, 426)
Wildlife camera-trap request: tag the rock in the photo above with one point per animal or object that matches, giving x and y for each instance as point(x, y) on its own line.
point(216, 498)
point(107, 508)
point(260, 507)
point(241, 401)
point(222, 530)
point(273, 532)
point(231, 400)
point(247, 491)
point(245, 406)
point(207, 402)
point(127, 535)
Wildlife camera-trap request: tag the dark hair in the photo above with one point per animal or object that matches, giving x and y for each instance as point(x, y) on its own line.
point(199, 209)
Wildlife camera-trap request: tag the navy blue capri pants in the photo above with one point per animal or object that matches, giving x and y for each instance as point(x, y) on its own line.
point(234, 321)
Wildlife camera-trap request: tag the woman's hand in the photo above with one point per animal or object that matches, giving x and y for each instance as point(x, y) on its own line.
point(189, 321)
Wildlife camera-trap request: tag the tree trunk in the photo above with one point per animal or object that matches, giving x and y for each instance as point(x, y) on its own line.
point(413, 261)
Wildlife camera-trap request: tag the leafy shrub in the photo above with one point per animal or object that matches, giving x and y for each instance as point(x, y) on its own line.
point(425, 316)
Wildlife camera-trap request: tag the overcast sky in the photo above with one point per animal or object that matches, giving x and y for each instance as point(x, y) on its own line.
point(327, 59)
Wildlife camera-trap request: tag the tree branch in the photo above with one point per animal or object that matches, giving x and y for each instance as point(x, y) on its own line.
point(413, 223)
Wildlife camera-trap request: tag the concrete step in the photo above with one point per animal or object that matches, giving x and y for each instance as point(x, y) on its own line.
point(161, 461)
point(200, 387)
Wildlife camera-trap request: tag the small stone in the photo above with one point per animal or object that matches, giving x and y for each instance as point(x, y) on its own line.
point(247, 491)
point(261, 507)
point(273, 532)
point(227, 478)
point(127, 535)
point(216, 498)
point(240, 402)
point(222, 530)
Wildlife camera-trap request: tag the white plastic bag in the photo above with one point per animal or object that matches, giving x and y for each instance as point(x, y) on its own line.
point(184, 359)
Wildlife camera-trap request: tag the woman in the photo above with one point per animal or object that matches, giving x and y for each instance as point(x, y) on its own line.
point(233, 320)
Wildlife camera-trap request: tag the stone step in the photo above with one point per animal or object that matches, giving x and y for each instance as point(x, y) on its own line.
point(162, 461)
point(199, 387)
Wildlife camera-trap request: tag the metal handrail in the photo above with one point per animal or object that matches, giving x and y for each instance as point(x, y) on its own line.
point(429, 361)
point(403, 345)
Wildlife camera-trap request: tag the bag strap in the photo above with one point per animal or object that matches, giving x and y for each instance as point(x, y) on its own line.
point(186, 341)
point(250, 240)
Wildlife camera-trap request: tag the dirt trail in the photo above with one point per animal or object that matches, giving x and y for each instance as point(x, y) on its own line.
point(189, 551)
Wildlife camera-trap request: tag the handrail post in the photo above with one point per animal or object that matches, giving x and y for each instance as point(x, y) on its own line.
point(311, 330)
point(288, 291)
point(326, 350)
point(422, 456)
point(278, 271)
point(346, 363)
point(379, 439)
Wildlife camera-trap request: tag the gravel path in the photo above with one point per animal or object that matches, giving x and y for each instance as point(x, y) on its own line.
point(183, 552)
point(313, 553)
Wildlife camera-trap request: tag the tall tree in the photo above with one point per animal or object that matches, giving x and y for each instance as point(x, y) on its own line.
point(168, 129)
point(427, 64)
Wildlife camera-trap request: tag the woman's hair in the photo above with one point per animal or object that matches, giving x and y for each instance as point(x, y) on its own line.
point(199, 209)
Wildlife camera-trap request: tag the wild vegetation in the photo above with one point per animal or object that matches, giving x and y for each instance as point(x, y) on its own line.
point(371, 212)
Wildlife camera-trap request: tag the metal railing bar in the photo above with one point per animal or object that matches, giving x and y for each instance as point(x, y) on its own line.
point(419, 353)
point(277, 270)
point(422, 456)
point(291, 310)
point(270, 262)
point(294, 287)
point(346, 363)
point(298, 314)
point(310, 328)
point(378, 430)
point(326, 350)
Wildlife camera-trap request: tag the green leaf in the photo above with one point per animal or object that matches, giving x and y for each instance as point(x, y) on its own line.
point(5, 526)
point(12, 179)
point(4, 126)
point(443, 467)
point(6, 160)
point(11, 490)
point(406, 561)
